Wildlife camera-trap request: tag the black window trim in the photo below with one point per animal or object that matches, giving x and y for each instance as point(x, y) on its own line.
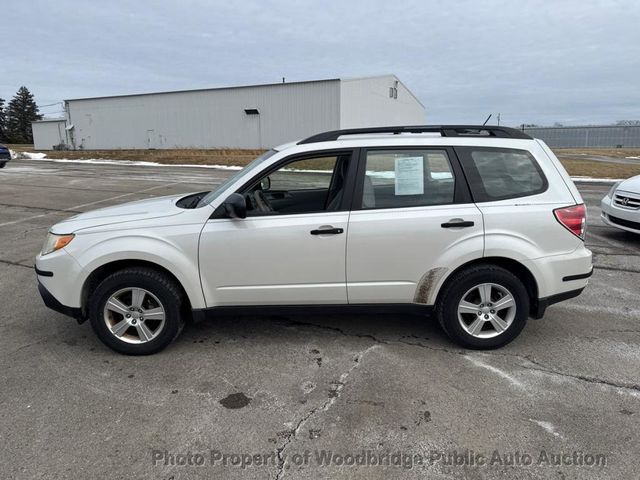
point(471, 172)
point(461, 194)
point(348, 186)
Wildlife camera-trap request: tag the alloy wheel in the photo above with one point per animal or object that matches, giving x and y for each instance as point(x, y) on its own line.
point(486, 310)
point(134, 315)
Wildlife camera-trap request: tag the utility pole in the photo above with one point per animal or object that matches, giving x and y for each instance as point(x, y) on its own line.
point(498, 119)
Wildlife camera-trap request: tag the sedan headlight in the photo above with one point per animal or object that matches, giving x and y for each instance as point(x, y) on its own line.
point(613, 189)
point(55, 242)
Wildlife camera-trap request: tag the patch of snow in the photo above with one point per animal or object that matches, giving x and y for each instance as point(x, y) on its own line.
point(634, 158)
point(548, 426)
point(596, 180)
point(392, 174)
point(27, 155)
point(138, 163)
point(513, 381)
point(302, 170)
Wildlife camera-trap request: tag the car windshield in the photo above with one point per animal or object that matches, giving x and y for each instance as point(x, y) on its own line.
point(213, 194)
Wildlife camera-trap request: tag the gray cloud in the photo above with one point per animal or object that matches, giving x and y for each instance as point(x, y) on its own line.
point(533, 61)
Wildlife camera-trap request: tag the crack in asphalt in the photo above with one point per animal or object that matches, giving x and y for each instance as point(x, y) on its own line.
point(585, 378)
point(537, 366)
point(61, 187)
point(616, 269)
point(290, 322)
point(16, 264)
point(540, 367)
point(27, 207)
point(339, 386)
point(614, 254)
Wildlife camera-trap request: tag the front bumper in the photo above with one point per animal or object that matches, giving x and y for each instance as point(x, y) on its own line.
point(623, 218)
point(60, 281)
point(51, 302)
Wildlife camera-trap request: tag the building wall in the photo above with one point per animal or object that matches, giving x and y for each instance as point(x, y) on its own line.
point(207, 118)
point(588, 137)
point(48, 133)
point(366, 102)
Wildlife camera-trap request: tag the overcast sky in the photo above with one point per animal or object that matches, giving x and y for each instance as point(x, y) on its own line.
point(574, 62)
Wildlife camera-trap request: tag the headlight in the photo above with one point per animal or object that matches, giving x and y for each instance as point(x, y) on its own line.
point(55, 242)
point(613, 189)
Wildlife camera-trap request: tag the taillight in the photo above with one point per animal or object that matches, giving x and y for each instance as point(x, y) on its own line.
point(573, 219)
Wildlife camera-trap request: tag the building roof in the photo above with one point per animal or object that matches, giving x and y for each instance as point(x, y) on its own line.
point(45, 120)
point(279, 84)
point(204, 89)
point(385, 76)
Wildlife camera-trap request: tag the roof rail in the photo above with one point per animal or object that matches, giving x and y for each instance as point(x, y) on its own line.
point(443, 130)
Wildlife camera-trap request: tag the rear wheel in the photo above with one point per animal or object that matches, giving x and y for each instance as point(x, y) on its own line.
point(483, 307)
point(136, 311)
point(2, 164)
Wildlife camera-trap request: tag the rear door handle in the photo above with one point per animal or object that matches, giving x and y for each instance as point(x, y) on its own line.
point(457, 224)
point(327, 231)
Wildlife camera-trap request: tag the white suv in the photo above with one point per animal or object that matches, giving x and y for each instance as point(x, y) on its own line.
point(480, 225)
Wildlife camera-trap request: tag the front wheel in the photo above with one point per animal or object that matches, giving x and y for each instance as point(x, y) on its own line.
point(136, 311)
point(2, 164)
point(483, 307)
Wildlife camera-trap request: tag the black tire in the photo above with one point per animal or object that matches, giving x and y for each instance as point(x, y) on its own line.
point(461, 283)
point(2, 164)
point(158, 284)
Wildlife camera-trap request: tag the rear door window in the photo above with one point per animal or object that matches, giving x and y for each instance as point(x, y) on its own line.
point(501, 173)
point(407, 178)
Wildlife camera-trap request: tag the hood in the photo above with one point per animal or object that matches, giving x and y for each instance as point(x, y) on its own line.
point(127, 212)
point(631, 185)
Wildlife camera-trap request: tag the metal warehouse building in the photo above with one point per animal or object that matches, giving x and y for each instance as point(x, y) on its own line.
point(610, 136)
point(258, 116)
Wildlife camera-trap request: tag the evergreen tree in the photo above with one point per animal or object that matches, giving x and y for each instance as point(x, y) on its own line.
point(3, 122)
point(21, 111)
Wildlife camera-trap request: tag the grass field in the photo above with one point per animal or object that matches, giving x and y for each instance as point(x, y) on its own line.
point(575, 160)
point(585, 168)
point(577, 163)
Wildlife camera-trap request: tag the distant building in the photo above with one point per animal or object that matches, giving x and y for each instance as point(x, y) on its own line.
point(257, 116)
point(49, 132)
point(605, 136)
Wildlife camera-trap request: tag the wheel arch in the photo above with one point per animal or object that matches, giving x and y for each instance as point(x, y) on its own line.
point(103, 271)
point(509, 264)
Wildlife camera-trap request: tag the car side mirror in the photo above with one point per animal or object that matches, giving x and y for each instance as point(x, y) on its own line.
point(236, 206)
point(265, 184)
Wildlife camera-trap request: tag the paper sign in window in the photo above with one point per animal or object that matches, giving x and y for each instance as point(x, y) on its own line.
point(409, 176)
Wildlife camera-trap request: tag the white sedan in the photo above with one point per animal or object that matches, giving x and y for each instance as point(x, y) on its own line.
point(621, 206)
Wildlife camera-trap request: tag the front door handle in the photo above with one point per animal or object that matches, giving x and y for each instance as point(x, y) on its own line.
point(329, 230)
point(457, 223)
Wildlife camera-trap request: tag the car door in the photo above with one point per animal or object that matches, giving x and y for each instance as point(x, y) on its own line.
point(412, 216)
point(291, 248)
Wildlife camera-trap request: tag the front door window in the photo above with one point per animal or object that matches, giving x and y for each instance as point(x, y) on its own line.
point(308, 185)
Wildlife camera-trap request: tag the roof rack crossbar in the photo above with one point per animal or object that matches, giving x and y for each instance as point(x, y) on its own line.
point(443, 130)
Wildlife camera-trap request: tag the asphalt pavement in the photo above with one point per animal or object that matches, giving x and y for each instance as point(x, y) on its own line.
point(376, 397)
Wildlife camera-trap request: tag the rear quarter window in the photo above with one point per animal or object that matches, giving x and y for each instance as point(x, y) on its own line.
point(500, 173)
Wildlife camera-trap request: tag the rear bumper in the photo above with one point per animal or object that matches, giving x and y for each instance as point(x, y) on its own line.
point(559, 274)
point(560, 277)
point(538, 310)
point(51, 302)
